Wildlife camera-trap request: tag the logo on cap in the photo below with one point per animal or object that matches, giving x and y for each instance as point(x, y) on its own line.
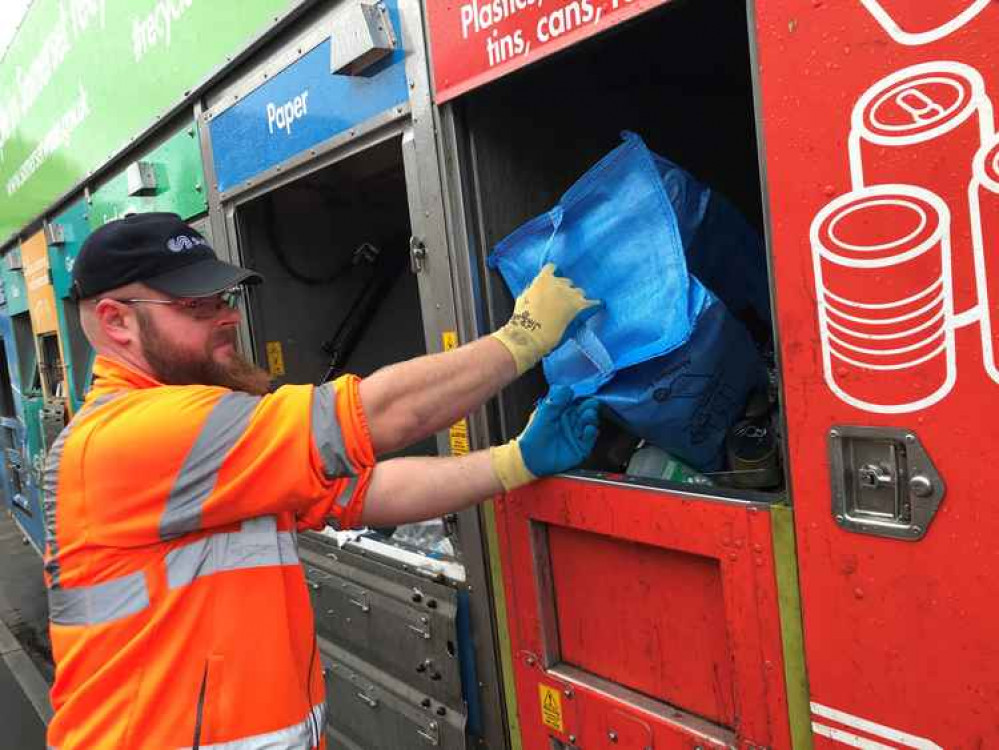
point(184, 242)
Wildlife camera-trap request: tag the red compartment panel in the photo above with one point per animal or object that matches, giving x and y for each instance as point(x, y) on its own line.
point(648, 618)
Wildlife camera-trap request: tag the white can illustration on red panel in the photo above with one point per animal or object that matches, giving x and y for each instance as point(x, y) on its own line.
point(910, 22)
point(983, 196)
point(883, 286)
point(921, 126)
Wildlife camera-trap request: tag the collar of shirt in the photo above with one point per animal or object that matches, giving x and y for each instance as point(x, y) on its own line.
point(112, 375)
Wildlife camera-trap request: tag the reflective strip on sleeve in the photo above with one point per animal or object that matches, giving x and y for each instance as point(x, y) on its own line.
point(101, 603)
point(300, 736)
point(327, 433)
point(196, 480)
point(50, 485)
point(343, 500)
point(257, 545)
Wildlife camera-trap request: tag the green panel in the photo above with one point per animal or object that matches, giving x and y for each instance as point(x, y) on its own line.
point(180, 185)
point(76, 350)
point(83, 78)
point(33, 428)
point(15, 289)
point(792, 635)
point(75, 225)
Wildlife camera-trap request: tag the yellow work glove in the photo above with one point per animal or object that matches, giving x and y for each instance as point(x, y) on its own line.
point(540, 316)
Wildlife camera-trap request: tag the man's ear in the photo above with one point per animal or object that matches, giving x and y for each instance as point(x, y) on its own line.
point(117, 321)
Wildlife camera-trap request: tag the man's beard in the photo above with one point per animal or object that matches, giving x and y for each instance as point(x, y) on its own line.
point(172, 365)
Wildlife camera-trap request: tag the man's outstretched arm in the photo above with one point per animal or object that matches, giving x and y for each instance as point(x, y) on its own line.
point(558, 437)
point(408, 401)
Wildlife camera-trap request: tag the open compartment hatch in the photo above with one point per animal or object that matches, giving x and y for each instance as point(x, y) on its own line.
point(339, 294)
point(680, 77)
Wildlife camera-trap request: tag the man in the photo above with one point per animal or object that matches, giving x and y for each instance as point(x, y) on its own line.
point(179, 612)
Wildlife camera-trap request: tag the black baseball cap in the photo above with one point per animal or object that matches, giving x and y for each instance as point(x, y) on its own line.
point(158, 249)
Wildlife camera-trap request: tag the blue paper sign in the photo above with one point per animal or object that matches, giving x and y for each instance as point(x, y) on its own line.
point(302, 106)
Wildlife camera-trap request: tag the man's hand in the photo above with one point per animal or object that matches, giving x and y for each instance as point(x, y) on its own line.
point(559, 436)
point(540, 317)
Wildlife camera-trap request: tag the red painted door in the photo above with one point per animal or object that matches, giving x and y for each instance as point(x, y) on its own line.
point(883, 182)
point(642, 619)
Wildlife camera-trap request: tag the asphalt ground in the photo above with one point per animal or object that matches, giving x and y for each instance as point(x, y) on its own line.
point(25, 655)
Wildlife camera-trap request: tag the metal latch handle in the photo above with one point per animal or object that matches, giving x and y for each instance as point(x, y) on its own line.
point(873, 476)
point(417, 254)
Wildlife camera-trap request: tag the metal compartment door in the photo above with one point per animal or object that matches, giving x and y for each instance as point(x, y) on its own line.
point(640, 614)
point(882, 173)
point(642, 620)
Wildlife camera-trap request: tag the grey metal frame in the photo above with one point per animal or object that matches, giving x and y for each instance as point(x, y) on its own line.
point(415, 124)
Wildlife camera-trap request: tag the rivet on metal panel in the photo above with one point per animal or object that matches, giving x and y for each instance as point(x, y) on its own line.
point(531, 661)
point(840, 519)
point(572, 739)
point(612, 735)
point(190, 132)
point(833, 433)
point(910, 438)
point(568, 693)
point(425, 703)
point(197, 187)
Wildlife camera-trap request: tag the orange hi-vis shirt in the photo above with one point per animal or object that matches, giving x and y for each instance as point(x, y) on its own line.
point(180, 615)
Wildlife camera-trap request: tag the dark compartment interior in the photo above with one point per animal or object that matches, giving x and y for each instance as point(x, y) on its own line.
point(334, 249)
point(680, 77)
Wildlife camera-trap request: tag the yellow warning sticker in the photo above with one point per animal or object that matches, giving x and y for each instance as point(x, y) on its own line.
point(275, 359)
point(458, 434)
point(551, 707)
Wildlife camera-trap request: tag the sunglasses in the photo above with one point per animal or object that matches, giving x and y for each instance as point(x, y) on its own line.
point(202, 308)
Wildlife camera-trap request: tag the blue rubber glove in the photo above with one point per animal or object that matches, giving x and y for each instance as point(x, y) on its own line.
point(559, 436)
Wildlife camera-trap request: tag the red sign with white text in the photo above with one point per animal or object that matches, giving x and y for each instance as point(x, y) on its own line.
point(474, 42)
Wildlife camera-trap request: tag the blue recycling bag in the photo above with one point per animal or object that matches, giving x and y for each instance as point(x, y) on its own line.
point(665, 255)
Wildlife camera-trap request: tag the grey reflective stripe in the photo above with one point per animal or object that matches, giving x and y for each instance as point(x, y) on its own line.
point(348, 493)
point(100, 603)
point(223, 428)
point(258, 544)
point(327, 434)
point(50, 484)
point(300, 736)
